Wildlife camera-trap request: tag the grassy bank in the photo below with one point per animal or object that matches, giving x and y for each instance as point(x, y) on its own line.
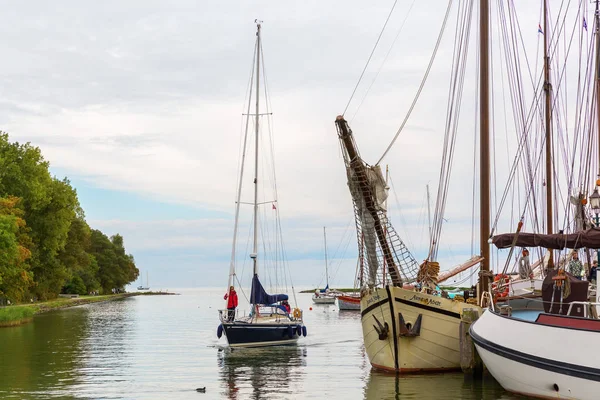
point(21, 313)
point(12, 316)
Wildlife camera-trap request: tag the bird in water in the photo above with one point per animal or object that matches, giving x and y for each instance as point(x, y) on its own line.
point(201, 390)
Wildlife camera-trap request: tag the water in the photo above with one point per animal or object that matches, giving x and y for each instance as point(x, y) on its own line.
point(164, 347)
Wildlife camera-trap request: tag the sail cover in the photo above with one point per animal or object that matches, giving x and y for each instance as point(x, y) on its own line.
point(259, 296)
point(558, 241)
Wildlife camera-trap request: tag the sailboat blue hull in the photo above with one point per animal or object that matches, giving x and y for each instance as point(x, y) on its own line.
point(241, 334)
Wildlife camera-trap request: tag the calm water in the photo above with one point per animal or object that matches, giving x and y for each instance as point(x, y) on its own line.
point(164, 347)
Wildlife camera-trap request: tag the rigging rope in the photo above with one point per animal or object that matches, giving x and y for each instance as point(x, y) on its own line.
point(383, 62)
point(370, 55)
point(412, 106)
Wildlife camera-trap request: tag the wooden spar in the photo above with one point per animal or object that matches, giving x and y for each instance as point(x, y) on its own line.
point(444, 276)
point(548, 122)
point(484, 168)
point(597, 25)
point(360, 172)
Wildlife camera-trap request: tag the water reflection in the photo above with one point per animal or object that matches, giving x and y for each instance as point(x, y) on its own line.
point(261, 372)
point(432, 386)
point(38, 360)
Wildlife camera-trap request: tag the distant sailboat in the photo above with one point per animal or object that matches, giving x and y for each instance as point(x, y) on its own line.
point(322, 296)
point(142, 287)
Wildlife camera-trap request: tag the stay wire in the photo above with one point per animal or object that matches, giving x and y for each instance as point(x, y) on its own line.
point(370, 55)
point(414, 102)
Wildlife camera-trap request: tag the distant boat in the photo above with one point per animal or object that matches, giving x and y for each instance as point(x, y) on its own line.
point(142, 287)
point(322, 296)
point(349, 302)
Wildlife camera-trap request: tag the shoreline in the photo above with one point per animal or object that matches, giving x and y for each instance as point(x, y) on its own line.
point(19, 314)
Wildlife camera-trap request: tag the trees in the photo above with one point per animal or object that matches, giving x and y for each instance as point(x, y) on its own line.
point(45, 243)
point(15, 275)
point(115, 267)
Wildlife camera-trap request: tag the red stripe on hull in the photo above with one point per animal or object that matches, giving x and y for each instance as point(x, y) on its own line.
point(569, 322)
point(349, 299)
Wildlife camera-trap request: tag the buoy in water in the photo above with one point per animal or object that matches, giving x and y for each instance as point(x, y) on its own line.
point(310, 309)
point(220, 331)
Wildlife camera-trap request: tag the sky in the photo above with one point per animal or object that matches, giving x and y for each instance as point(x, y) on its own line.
point(140, 104)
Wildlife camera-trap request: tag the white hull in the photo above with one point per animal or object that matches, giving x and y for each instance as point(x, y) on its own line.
point(437, 345)
point(323, 300)
point(539, 360)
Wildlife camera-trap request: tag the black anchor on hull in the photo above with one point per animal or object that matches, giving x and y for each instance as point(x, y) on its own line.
point(382, 330)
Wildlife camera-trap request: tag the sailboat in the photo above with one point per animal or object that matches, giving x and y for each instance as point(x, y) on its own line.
point(269, 321)
point(142, 287)
point(553, 353)
point(322, 296)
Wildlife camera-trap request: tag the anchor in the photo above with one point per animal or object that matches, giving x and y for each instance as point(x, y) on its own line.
point(413, 331)
point(382, 330)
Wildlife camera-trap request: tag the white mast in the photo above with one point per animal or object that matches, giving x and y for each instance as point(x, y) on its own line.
point(326, 271)
point(256, 117)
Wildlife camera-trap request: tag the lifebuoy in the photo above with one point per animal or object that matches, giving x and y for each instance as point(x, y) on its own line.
point(500, 286)
point(297, 313)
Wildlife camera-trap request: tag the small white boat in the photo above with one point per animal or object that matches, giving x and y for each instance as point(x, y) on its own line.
point(142, 287)
point(323, 298)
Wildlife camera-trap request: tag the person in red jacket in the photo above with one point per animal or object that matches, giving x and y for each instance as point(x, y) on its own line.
point(232, 303)
point(286, 305)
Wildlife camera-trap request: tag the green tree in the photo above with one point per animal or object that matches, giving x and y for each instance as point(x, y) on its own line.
point(55, 249)
point(76, 286)
point(15, 277)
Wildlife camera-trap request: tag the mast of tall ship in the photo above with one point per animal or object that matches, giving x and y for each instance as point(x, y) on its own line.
point(484, 149)
point(597, 25)
point(548, 123)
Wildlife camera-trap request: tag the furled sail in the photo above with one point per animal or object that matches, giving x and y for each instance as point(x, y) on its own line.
point(558, 241)
point(258, 295)
point(379, 244)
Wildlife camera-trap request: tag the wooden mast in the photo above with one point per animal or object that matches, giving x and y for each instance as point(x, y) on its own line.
point(548, 123)
point(364, 187)
point(484, 167)
point(597, 29)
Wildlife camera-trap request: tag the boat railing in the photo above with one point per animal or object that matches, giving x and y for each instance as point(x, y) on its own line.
point(224, 315)
point(271, 311)
point(588, 308)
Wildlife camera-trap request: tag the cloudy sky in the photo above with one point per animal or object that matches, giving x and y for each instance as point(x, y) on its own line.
point(139, 104)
